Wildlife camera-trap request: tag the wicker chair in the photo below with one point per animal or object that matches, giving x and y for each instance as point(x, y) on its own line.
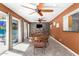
point(38, 43)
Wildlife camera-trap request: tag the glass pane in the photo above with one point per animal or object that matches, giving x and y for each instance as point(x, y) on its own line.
point(15, 32)
point(2, 30)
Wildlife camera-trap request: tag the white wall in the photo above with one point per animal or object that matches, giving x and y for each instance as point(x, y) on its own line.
point(19, 31)
point(25, 30)
point(65, 23)
point(8, 31)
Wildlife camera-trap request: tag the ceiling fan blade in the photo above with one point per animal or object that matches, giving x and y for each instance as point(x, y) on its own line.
point(47, 10)
point(41, 20)
point(40, 13)
point(40, 6)
point(27, 7)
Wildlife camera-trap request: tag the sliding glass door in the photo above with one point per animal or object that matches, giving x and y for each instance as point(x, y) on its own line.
point(14, 32)
point(2, 30)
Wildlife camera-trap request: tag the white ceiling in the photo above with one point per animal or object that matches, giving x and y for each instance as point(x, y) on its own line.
point(25, 12)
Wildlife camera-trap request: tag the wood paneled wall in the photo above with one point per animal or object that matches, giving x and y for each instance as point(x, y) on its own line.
point(70, 39)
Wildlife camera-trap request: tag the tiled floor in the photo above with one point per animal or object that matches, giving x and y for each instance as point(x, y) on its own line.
point(2, 48)
point(9, 53)
point(26, 49)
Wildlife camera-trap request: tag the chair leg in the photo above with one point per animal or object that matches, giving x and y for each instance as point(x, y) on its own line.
point(44, 50)
point(34, 51)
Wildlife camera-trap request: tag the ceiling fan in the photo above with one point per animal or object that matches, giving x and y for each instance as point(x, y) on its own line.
point(39, 9)
point(40, 20)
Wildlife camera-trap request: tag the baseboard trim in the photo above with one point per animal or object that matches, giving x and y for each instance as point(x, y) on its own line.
point(64, 46)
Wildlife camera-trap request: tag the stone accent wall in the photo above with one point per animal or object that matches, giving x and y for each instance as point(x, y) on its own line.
point(45, 28)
